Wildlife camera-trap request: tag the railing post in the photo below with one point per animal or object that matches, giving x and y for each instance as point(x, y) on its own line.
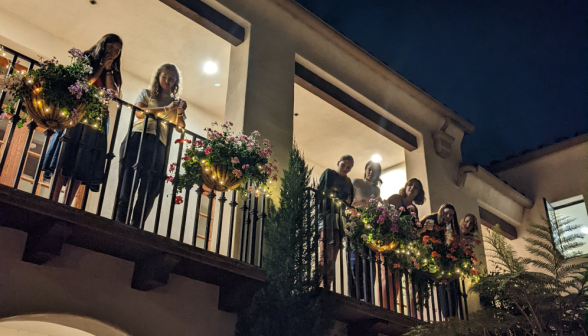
point(160, 198)
point(31, 126)
point(232, 205)
point(185, 213)
point(433, 294)
point(379, 277)
point(138, 166)
point(48, 134)
point(222, 199)
point(207, 238)
point(175, 191)
point(261, 228)
point(253, 229)
point(64, 140)
point(109, 156)
point(465, 300)
point(123, 163)
point(244, 224)
point(372, 282)
point(199, 192)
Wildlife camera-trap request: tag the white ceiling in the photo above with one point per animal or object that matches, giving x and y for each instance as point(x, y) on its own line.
point(325, 133)
point(37, 328)
point(152, 33)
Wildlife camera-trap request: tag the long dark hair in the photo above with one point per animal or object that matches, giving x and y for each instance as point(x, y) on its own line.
point(455, 223)
point(96, 54)
point(377, 168)
point(156, 87)
point(420, 197)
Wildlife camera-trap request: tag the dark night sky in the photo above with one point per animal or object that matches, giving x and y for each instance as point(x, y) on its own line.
point(516, 69)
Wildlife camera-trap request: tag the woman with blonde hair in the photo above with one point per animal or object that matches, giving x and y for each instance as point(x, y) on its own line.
point(162, 102)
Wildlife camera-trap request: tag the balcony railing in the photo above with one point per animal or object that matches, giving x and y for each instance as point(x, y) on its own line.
point(360, 273)
point(204, 220)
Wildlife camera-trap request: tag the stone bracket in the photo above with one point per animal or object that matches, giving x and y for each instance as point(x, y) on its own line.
point(363, 327)
point(237, 296)
point(153, 272)
point(442, 140)
point(45, 242)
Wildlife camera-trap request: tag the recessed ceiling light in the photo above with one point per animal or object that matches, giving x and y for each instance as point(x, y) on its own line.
point(584, 229)
point(217, 84)
point(376, 158)
point(210, 67)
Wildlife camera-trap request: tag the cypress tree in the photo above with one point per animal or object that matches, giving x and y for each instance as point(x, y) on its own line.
point(291, 302)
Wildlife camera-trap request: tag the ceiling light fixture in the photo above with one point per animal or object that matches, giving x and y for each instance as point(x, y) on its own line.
point(584, 229)
point(376, 158)
point(217, 84)
point(210, 67)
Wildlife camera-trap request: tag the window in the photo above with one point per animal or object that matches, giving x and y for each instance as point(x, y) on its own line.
point(571, 209)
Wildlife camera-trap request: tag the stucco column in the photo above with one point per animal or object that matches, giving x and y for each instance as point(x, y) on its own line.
point(261, 89)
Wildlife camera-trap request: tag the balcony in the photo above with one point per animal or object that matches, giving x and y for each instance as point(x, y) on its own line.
point(213, 237)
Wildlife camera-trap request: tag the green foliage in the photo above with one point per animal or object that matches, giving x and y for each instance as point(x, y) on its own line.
point(291, 303)
point(518, 301)
point(62, 86)
point(246, 157)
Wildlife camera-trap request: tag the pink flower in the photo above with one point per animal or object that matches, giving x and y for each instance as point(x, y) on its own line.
point(256, 133)
point(3, 115)
point(394, 228)
point(413, 214)
point(208, 150)
point(418, 224)
point(401, 208)
point(237, 173)
point(245, 166)
point(411, 207)
point(172, 167)
point(235, 160)
point(179, 200)
point(198, 143)
point(275, 178)
point(396, 266)
point(267, 169)
point(186, 158)
point(169, 179)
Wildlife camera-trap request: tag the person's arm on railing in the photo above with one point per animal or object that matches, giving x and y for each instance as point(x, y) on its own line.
point(180, 116)
point(165, 112)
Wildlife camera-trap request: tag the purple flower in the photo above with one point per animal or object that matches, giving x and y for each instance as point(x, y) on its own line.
point(379, 208)
point(394, 228)
point(75, 52)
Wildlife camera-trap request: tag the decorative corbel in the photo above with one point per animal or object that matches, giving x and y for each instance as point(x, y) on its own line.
point(443, 140)
point(461, 174)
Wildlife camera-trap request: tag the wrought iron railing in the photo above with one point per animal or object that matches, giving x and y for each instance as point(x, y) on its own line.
point(202, 220)
point(360, 273)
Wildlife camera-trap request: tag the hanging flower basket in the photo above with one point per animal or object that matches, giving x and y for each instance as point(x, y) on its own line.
point(219, 177)
point(51, 116)
point(376, 247)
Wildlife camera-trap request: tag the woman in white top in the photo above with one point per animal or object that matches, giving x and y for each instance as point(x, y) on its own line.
point(161, 100)
point(367, 187)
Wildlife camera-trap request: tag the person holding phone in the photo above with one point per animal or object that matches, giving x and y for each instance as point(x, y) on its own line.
point(160, 101)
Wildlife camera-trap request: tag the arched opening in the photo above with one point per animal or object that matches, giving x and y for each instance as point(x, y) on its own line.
point(56, 325)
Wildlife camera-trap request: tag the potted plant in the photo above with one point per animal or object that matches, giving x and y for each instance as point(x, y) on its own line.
point(58, 96)
point(225, 161)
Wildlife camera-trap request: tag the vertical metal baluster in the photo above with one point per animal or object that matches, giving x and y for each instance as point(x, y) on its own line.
point(72, 179)
point(307, 228)
point(340, 242)
point(151, 174)
point(364, 272)
point(332, 240)
point(207, 238)
point(407, 291)
point(48, 134)
point(433, 295)
point(465, 301)
point(261, 228)
point(427, 289)
point(199, 192)
point(449, 299)
point(109, 156)
point(185, 213)
point(372, 282)
point(316, 235)
point(253, 229)
point(137, 167)
point(175, 192)
point(414, 296)
point(123, 164)
point(400, 293)
point(160, 198)
point(60, 157)
point(85, 198)
point(379, 271)
point(186, 201)
point(325, 240)
point(222, 199)
point(356, 257)
point(244, 223)
point(421, 299)
point(15, 117)
point(459, 302)
point(441, 318)
point(232, 205)
point(25, 152)
point(349, 270)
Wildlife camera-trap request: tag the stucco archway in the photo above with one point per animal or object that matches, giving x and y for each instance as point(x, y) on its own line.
point(56, 325)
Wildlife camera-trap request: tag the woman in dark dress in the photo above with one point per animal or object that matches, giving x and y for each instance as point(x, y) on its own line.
point(84, 157)
point(444, 226)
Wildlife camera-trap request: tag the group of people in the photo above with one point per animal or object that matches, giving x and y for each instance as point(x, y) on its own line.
point(337, 183)
point(85, 152)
